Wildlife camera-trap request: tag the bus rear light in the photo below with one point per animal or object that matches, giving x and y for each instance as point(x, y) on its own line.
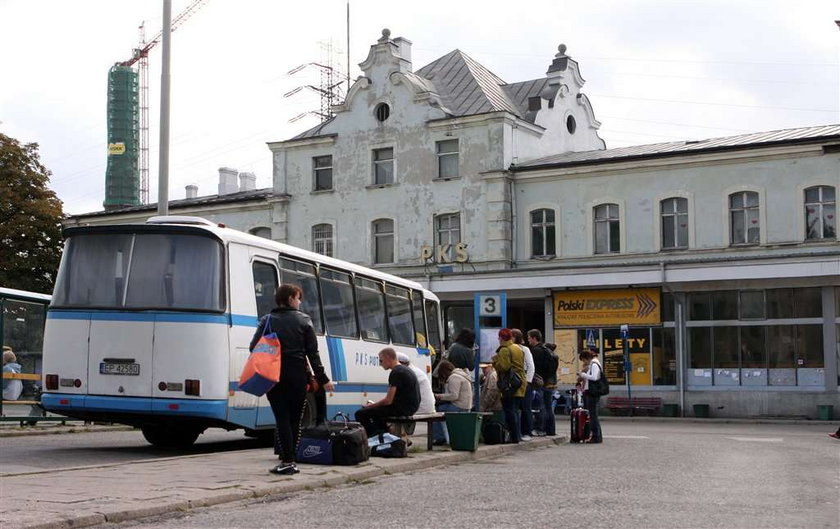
point(173, 406)
point(77, 383)
point(192, 387)
point(64, 402)
point(51, 381)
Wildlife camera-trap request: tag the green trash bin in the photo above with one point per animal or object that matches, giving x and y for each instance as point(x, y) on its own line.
point(701, 410)
point(825, 412)
point(670, 410)
point(464, 430)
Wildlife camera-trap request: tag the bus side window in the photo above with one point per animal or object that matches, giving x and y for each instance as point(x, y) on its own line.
point(265, 284)
point(400, 322)
point(432, 320)
point(371, 305)
point(339, 307)
point(419, 320)
point(303, 275)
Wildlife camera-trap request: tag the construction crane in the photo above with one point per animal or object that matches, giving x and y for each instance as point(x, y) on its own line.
point(140, 57)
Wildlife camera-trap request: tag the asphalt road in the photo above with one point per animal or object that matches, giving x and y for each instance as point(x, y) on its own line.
point(39, 452)
point(646, 475)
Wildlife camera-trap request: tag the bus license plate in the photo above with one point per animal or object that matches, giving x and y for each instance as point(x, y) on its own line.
point(108, 368)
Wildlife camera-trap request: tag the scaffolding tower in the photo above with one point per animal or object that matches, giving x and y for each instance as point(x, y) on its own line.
point(122, 174)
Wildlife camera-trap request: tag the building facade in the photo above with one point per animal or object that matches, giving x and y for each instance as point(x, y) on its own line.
point(721, 256)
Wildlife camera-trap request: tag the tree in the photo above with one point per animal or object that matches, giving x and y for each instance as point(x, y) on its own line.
point(30, 219)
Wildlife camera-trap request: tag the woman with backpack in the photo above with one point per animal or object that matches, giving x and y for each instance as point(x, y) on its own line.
point(593, 371)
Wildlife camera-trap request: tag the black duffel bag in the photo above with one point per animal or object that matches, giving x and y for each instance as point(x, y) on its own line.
point(336, 442)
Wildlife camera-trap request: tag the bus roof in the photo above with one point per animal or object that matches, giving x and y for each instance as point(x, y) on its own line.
point(23, 294)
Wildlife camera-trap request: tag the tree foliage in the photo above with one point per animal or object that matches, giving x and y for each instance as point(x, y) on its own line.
point(30, 219)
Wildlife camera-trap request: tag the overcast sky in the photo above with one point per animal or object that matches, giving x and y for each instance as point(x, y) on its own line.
point(656, 70)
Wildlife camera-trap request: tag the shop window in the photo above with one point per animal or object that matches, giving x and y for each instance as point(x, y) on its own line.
point(699, 306)
point(725, 305)
point(542, 233)
point(752, 305)
point(447, 153)
point(322, 173)
point(664, 357)
point(607, 229)
point(809, 346)
point(322, 239)
point(781, 346)
point(674, 213)
point(382, 232)
point(820, 220)
point(700, 340)
point(725, 347)
point(753, 351)
point(779, 303)
point(743, 218)
point(383, 166)
point(807, 302)
point(667, 307)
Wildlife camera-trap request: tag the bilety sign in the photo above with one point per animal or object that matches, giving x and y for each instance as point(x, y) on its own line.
point(636, 306)
point(116, 148)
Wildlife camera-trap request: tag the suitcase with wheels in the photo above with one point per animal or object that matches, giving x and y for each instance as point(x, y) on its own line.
point(581, 428)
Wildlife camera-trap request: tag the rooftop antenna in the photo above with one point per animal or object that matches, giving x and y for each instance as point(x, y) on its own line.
point(329, 88)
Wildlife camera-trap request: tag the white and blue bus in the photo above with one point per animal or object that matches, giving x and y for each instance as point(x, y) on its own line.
point(150, 324)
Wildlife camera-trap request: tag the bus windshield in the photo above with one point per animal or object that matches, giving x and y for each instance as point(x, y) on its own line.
point(141, 271)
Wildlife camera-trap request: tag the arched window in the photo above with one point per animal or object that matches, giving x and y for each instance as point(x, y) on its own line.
point(674, 213)
point(261, 231)
point(382, 234)
point(322, 239)
point(607, 229)
point(542, 233)
point(820, 221)
point(744, 225)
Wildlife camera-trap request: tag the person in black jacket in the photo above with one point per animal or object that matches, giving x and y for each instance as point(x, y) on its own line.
point(297, 345)
point(461, 353)
point(545, 365)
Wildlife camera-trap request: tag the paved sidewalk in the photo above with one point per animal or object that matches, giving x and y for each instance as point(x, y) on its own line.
point(86, 496)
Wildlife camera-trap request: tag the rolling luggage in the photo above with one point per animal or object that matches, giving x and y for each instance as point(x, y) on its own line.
point(581, 428)
point(336, 442)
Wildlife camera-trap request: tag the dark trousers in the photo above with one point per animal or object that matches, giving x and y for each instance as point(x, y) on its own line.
point(527, 420)
point(591, 404)
point(511, 407)
point(373, 419)
point(287, 400)
point(548, 425)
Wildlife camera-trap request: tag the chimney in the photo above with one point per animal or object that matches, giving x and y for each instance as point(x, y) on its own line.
point(247, 181)
point(227, 180)
point(192, 191)
point(404, 49)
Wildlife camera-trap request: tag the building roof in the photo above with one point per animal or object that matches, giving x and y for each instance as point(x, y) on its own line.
point(676, 148)
point(241, 196)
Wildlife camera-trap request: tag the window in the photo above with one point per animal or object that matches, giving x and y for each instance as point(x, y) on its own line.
point(448, 231)
point(664, 356)
point(542, 233)
point(339, 308)
point(447, 153)
point(752, 305)
point(571, 125)
point(383, 241)
point(607, 229)
point(371, 305)
point(383, 166)
point(701, 347)
point(820, 222)
point(674, 223)
point(419, 320)
point(432, 319)
point(382, 112)
point(322, 172)
point(322, 239)
point(303, 275)
point(400, 321)
point(265, 284)
point(753, 351)
point(743, 218)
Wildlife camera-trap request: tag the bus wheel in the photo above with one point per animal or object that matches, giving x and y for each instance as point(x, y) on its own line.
point(163, 437)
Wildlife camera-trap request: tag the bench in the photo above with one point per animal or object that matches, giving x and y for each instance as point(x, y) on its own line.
point(630, 404)
point(427, 418)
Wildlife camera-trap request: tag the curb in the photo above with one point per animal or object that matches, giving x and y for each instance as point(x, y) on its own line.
point(721, 420)
point(300, 482)
point(25, 431)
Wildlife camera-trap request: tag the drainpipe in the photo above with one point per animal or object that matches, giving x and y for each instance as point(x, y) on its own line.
point(679, 337)
point(512, 222)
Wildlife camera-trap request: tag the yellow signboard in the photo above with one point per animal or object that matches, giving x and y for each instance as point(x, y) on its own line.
point(116, 148)
point(592, 308)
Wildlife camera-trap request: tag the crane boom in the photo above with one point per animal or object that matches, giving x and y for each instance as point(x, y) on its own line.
point(182, 17)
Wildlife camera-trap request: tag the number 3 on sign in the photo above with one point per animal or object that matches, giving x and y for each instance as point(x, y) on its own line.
point(490, 305)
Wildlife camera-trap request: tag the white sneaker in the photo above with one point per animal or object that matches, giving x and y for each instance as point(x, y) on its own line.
point(526, 437)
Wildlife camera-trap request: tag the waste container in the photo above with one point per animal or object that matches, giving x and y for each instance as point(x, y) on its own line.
point(670, 410)
point(701, 410)
point(825, 412)
point(464, 430)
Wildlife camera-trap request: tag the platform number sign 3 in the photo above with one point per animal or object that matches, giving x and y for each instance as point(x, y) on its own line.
point(490, 306)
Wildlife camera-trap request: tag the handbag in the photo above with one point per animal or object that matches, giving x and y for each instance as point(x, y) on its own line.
point(494, 432)
point(509, 382)
point(336, 442)
point(262, 369)
point(600, 387)
point(387, 445)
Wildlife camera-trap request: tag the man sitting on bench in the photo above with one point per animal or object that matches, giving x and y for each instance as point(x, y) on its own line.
point(402, 399)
